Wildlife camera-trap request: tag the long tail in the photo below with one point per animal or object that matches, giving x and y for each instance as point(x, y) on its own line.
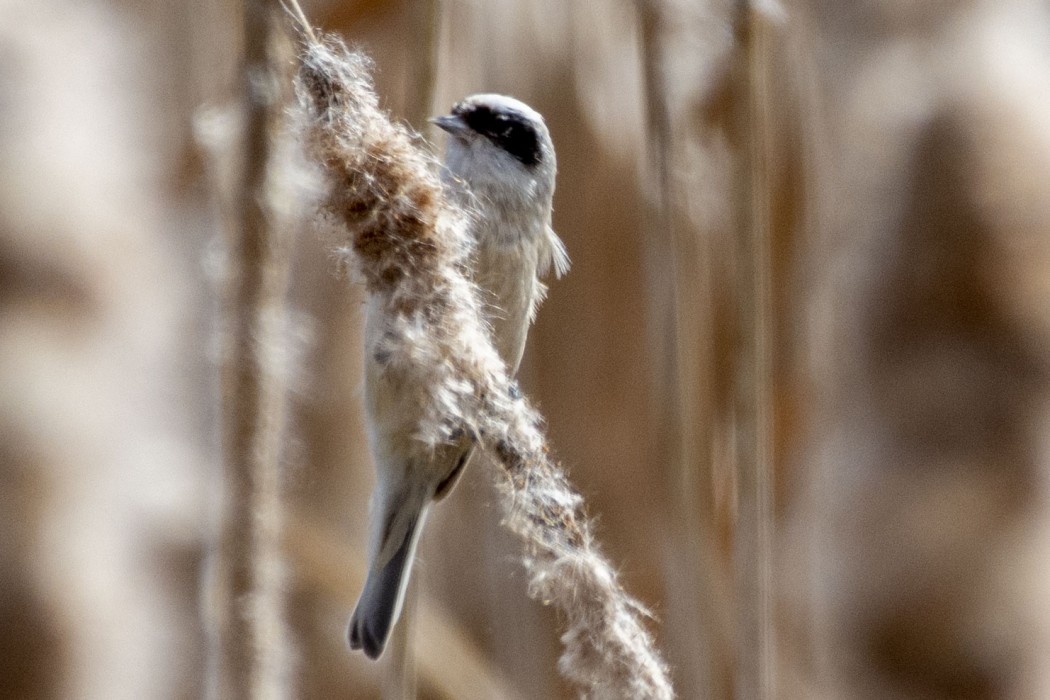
point(380, 604)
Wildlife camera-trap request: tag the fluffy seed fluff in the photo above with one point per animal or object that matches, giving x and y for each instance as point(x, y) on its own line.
point(412, 247)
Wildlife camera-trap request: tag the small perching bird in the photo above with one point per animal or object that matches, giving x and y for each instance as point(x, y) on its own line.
point(500, 167)
point(413, 249)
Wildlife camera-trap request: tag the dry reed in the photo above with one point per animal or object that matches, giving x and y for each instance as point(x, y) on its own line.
point(928, 511)
point(411, 247)
point(753, 381)
point(685, 392)
point(253, 657)
point(98, 469)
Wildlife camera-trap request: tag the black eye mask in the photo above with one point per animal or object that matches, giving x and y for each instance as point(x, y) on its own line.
point(507, 129)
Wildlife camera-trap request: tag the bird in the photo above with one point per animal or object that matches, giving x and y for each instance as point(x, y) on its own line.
point(499, 165)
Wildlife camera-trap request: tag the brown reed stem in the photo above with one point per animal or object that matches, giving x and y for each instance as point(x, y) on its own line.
point(419, 98)
point(685, 390)
point(251, 637)
point(754, 372)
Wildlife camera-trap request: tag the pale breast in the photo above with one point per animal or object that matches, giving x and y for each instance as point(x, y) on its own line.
point(505, 274)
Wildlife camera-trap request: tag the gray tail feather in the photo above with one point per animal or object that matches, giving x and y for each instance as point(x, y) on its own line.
point(380, 603)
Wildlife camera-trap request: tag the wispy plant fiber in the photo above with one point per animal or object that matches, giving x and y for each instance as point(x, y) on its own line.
point(412, 248)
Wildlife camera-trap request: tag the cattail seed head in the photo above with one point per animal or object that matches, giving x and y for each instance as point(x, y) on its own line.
point(412, 246)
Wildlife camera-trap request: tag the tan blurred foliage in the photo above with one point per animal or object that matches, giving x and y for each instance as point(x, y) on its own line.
point(810, 246)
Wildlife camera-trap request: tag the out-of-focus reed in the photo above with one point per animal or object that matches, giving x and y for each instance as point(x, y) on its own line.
point(810, 267)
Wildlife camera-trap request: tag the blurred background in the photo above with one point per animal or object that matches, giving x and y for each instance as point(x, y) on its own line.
point(800, 369)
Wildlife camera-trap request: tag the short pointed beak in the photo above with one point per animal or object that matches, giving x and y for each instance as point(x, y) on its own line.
point(450, 123)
